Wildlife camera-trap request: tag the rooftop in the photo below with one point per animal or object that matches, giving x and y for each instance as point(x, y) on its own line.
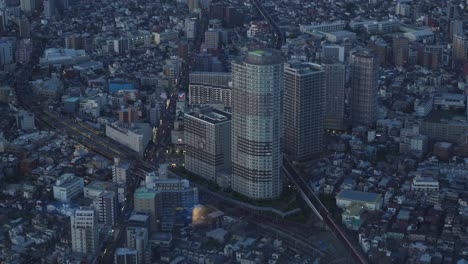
point(67, 180)
point(138, 217)
point(125, 251)
point(352, 195)
point(303, 68)
point(144, 193)
point(162, 236)
point(137, 128)
point(264, 57)
point(342, 33)
point(100, 185)
point(258, 52)
point(210, 115)
point(355, 209)
point(72, 99)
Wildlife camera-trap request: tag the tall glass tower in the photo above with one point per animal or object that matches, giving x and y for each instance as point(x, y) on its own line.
point(257, 124)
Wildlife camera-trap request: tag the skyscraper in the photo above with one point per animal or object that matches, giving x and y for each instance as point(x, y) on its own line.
point(207, 142)
point(335, 95)
point(304, 109)
point(364, 76)
point(257, 124)
point(84, 231)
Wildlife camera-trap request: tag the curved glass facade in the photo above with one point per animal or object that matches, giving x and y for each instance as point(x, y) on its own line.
point(257, 124)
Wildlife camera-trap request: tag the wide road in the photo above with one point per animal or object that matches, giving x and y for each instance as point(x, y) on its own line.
point(153, 157)
point(303, 186)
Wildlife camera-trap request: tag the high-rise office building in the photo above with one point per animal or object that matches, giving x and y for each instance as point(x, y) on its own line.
point(84, 231)
point(207, 142)
point(137, 238)
point(364, 77)
point(335, 95)
point(257, 124)
point(106, 208)
point(304, 110)
point(400, 51)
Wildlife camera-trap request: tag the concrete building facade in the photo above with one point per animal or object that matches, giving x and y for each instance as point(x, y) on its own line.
point(136, 136)
point(257, 124)
point(84, 231)
point(304, 110)
point(207, 142)
point(334, 95)
point(364, 77)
